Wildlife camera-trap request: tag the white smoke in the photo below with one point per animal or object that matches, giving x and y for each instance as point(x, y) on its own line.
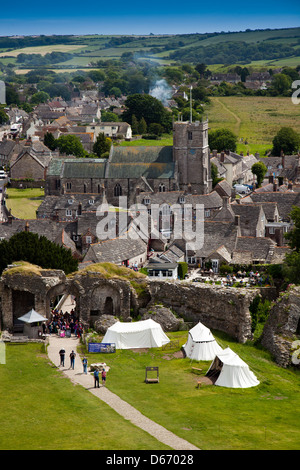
point(161, 91)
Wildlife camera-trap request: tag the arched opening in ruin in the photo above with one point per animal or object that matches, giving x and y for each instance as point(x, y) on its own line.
point(109, 306)
point(104, 300)
point(62, 305)
point(22, 303)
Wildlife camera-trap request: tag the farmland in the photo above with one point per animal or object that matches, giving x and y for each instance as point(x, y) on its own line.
point(254, 119)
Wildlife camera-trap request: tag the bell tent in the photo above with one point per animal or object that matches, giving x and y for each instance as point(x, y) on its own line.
point(201, 344)
point(141, 334)
point(229, 370)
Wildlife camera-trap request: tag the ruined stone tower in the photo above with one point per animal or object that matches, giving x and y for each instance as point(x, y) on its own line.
point(191, 154)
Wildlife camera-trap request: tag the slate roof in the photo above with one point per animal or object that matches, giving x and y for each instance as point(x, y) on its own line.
point(284, 200)
point(116, 250)
point(135, 162)
point(83, 168)
point(258, 248)
point(41, 227)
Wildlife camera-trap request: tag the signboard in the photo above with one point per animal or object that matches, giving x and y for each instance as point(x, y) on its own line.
point(102, 347)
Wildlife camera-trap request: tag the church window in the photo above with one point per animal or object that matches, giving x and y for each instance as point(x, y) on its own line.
point(118, 190)
point(190, 135)
point(162, 188)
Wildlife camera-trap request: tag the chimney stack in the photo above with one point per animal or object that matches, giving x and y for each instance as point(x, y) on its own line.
point(222, 157)
point(27, 227)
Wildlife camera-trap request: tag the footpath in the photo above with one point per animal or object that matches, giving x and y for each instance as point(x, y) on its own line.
point(103, 393)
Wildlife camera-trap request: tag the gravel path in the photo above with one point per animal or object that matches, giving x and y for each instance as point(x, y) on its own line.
point(120, 406)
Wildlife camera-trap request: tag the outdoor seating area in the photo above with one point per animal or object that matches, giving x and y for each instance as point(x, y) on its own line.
point(239, 279)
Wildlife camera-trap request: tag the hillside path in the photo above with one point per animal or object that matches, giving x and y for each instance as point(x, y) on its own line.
point(103, 393)
point(236, 117)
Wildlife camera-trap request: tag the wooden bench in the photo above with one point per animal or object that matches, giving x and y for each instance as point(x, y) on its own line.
point(199, 383)
point(196, 368)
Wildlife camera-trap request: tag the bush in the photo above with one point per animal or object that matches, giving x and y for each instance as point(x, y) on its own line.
point(226, 268)
point(150, 137)
point(182, 269)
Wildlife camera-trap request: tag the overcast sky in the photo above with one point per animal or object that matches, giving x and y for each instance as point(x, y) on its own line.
point(138, 17)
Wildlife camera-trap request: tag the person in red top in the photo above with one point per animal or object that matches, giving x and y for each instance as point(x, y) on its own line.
point(103, 377)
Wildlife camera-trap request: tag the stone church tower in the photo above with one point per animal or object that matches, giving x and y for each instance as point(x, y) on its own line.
point(191, 154)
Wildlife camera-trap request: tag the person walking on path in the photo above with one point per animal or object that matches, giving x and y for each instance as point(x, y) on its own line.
point(62, 353)
point(85, 364)
point(96, 378)
point(72, 359)
point(103, 377)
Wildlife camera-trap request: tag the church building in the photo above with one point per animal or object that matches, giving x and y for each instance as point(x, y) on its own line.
point(130, 170)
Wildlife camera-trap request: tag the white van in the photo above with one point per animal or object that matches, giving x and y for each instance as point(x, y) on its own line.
point(241, 189)
point(2, 174)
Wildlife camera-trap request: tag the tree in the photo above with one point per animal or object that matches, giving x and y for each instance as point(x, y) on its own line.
point(291, 265)
point(102, 145)
point(50, 141)
point(222, 139)
point(147, 107)
point(134, 125)
point(259, 169)
point(4, 118)
point(281, 83)
point(39, 97)
point(214, 174)
point(293, 236)
point(142, 128)
point(155, 129)
point(35, 249)
point(70, 145)
point(287, 140)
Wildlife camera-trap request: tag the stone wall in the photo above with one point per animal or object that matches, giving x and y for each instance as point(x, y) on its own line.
point(282, 326)
point(219, 308)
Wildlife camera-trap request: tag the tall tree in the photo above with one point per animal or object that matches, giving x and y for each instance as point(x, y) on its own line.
point(259, 169)
point(35, 249)
point(287, 140)
point(70, 145)
point(50, 141)
point(222, 139)
point(102, 145)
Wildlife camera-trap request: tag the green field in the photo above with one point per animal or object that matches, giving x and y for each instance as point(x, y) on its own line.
point(24, 202)
point(41, 409)
point(254, 119)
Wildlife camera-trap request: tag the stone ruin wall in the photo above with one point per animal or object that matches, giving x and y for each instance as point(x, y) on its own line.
point(217, 307)
point(282, 327)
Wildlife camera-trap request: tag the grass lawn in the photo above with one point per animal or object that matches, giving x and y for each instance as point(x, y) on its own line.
point(24, 202)
point(265, 417)
point(255, 119)
point(164, 140)
point(42, 410)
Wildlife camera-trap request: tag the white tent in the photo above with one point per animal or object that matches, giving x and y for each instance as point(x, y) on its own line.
point(32, 317)
point(141, 334)
point(201, 344)
point(231, 371)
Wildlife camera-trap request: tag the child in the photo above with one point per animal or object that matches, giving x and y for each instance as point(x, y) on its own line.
point(103, 377)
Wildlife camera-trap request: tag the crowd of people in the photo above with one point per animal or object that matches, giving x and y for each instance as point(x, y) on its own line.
point(63, 323)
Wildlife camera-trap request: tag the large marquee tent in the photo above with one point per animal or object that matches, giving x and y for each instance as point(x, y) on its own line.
point(230, 370)
point(141, 334)
point(201, 344)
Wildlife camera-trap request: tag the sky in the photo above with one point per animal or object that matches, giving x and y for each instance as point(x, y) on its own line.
point(138, 17)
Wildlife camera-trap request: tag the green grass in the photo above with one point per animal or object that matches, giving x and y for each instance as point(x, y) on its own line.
point(212, 418)
point(256, 119)
point(42, 410)
point(165, 140)
point(24, 202)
